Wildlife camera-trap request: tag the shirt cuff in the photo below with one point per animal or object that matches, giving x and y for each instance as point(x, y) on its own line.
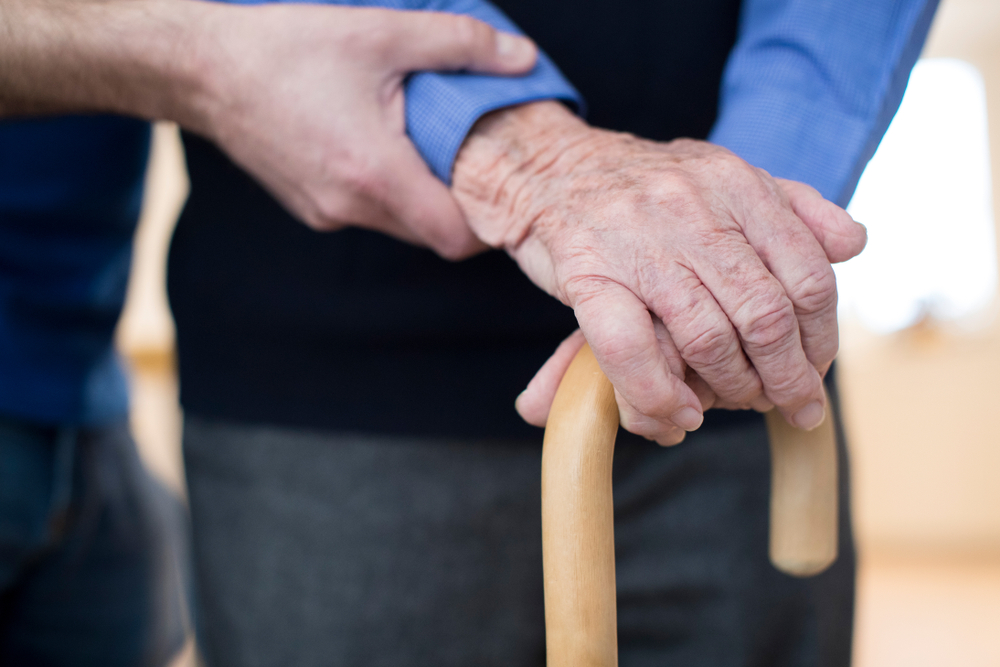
point(813, 88)
point(441, 108)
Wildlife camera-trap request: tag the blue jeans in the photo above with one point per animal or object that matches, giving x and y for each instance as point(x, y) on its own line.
point(92, 551)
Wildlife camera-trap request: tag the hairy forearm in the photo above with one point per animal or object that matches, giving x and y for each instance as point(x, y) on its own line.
point(131, 57)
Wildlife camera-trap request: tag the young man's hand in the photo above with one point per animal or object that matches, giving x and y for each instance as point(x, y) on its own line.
point(310, 101)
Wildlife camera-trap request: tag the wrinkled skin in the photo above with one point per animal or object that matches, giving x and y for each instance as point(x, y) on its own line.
point(698, 280)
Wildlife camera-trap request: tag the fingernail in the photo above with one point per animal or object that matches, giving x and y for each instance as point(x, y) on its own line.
point(810, 416)
point(512, 47)
point(688, 419)
point(517, 401)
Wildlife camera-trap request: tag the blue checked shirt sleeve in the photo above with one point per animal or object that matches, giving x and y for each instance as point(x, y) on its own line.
point(811, 85)
point(441, 108)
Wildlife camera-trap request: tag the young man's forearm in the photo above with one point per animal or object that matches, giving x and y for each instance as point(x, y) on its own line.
point(131, 57)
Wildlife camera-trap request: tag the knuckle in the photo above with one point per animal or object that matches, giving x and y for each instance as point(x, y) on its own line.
point(582, 286)
point(470, 34)
point(791, 388)
point(712, 348)
point(731, 162)
point(378, 37)
point(770, 326)
point(742, 391)
point(815, 291)
point(729, 167)
point(717, 354)
point(364, 179)
point(821, 344)
point(676, 187)
point(331, 212)
point(350, 183)
point(822, 353)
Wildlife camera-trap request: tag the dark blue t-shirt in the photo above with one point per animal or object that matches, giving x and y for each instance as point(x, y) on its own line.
point(70, 194)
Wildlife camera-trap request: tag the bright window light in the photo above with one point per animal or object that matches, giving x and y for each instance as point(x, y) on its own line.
point(925, 199)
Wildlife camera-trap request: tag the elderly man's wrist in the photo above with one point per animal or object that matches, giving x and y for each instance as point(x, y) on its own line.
point(507, 157)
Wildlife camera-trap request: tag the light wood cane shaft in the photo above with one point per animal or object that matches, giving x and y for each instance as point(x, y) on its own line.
point(578, 513)
point(578, 537)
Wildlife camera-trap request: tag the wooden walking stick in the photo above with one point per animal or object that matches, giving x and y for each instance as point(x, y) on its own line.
point(578, 515)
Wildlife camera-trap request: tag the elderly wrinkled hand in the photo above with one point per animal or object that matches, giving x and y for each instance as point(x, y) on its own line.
point(696, 278)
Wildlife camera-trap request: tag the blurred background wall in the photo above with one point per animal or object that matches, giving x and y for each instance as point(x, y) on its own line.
point(922, 407)
point(921, 404)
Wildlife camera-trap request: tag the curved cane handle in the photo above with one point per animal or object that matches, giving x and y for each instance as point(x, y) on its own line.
point(578, 543)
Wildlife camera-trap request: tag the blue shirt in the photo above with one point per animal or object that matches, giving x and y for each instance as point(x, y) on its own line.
point(807, 94)
point(812, 85)
point(70, 193)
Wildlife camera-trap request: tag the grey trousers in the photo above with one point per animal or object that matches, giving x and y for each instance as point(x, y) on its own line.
point(320, 548)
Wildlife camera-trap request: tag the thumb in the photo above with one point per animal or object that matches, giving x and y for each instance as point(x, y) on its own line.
point(424, 207)
point(841, 237)
point(441, 41)
point(534, 402)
